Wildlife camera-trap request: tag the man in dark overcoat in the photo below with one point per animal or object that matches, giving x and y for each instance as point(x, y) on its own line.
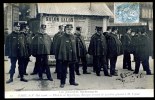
point(98, 48)
point(81, 52)
point(106, 34)
point(142, 53)
point(66, 53)
point(114, 45)
point(16, 50)
point(126, 42)
point(55, 38)
point(28, 37)
point(41, 48)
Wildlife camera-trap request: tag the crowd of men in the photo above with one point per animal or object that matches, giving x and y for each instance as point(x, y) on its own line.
point(70, 49)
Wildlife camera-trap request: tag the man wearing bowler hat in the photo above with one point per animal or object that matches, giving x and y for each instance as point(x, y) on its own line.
point(81, 52)
point(41, 48)
point(66, 53)
point(16, 50)
point(98, 48)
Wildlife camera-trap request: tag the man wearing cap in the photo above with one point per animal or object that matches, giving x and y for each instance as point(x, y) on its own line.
point(16, 50)
point(55, 38)
point(114, 45)
point(41, 48)
point(81, 52)
point(66, 53)
point(126, 42)
point(98, 48)
point(106, 34)
point(142, 53)
point(28, 37)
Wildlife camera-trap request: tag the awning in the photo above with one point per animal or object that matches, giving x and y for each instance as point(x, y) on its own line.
point(96, 9)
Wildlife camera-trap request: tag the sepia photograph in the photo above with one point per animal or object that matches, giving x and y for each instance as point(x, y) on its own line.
point(78, 50)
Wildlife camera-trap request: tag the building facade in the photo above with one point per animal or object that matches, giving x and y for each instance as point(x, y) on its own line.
point(11, 15)
point(85, 15)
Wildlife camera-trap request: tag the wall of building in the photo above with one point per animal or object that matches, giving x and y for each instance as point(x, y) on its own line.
point(88, 23)
point(11, 14)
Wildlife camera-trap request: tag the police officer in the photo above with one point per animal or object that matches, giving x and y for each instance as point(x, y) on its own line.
point(106, 34)
point(28, 37)
point(66, 53)
point(41, 48)
point(114, 45)
point(134, 36)
point(55, 38)
point(16, 50)
point(126, 42)
point(98, 48)
point(142, 53)
point(81, 52)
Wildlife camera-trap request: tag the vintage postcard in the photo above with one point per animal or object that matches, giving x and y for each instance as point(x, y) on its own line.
point(78, 50)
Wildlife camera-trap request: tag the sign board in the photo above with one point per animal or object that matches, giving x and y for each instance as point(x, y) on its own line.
point(53, 22)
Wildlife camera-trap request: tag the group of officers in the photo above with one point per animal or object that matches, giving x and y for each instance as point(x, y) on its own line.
point(70, 49)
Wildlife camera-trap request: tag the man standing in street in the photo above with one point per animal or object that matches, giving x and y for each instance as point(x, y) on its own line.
point(98, 48)
point(55, 38)
point(142, 53)
point(41, 48)
point(126, 42)
point(16, 50)
point(28, 38)
point(81, 52)
point(114, 50)
point(106, 34)
point(66, 53)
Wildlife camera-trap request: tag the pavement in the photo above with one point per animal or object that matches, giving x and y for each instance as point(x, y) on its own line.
point(125, 79)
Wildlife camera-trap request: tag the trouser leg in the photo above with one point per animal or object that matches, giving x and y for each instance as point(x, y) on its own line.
point(63, 72)
point(137, 65)
point(125, 60)
point(77, 66)
point(46, 67)
point(84, 64)
point(59, 64)
point(39, 64)
point(104, 63)
point(13, 66)
point(146, 66)
point(113, 64)
point(71, 73)
point(21, 66)
point(97, 64)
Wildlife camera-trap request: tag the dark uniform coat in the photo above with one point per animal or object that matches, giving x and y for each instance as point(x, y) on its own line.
point(66, 48)
point(134, 40)
point(107, 36)
point(142, 50)
point(97, 46)
point(15, 45)
point(41, 44)
point(28, 38)
point(55, 38)
point(114, 45)
point(126, 41)
point(80, 45)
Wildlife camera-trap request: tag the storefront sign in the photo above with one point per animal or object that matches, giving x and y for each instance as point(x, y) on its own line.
point(53, 22)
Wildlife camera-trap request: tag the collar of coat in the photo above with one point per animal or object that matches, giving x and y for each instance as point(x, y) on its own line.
point(42, 33)
point(16, 32)
point(67, 34)
point(77, 34)
point(99, 34)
